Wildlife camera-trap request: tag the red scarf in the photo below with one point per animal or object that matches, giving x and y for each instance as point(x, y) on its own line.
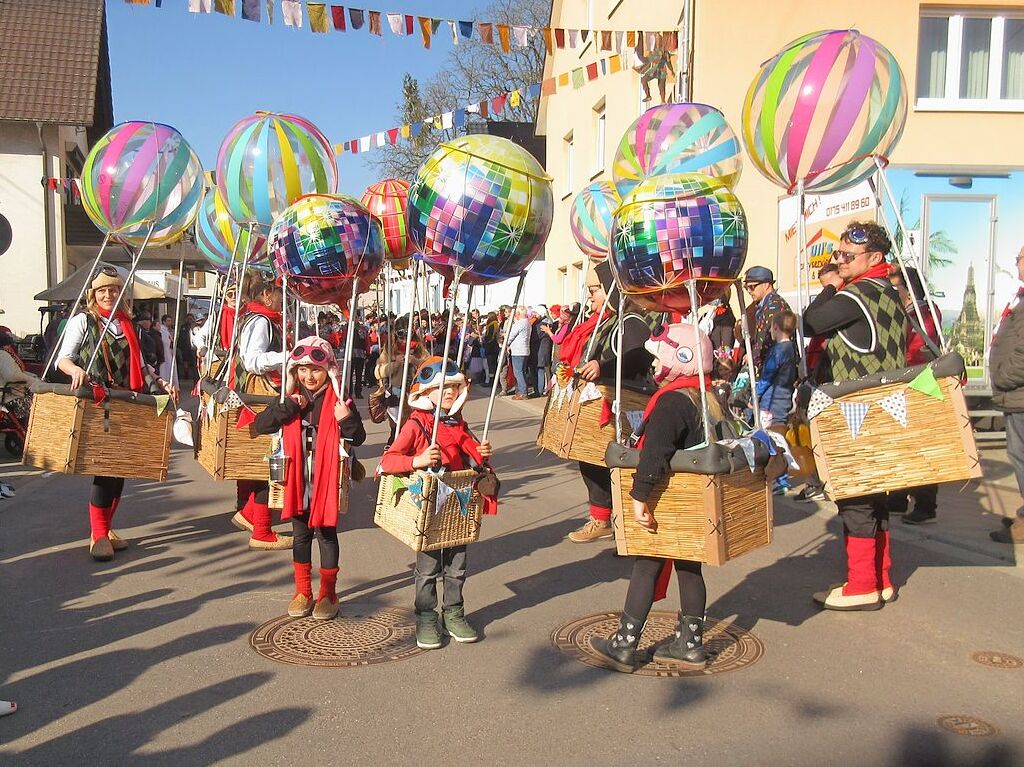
point(135, 380)
point(575, 343)
point(227, 325)
point(456, 443)
point(323, 504)
point(255, 307)
point(878, 271)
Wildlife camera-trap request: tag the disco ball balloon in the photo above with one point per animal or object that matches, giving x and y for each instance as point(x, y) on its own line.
point(822, 109)
point(142, 176)
point(672, 228)
point(677, 138)
point(481, 204)
point(327, 244)
point(217, 236)
point(268, 161)
point(590, 217)
point(387, 200)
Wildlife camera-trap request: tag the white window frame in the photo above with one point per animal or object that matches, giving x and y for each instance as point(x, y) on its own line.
point(600, 136)
point(952, 102)
point(569, 163)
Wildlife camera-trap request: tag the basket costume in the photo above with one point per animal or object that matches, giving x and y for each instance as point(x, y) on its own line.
point(865, 327)
point(311, 439)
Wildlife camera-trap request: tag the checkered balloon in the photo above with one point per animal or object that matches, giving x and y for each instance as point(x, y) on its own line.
point(326, 243)
point(672, 228)
point(482, 204)
point(387, 200)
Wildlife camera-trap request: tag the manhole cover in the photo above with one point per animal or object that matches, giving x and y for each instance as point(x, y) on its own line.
point(997, 659)
point(358, 637)
point(729, 646)
point(967, 725)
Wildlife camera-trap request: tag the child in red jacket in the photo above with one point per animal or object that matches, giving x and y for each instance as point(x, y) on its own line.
point(455, 449)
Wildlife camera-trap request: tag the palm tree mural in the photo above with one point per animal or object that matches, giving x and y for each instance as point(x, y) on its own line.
point(941, 248)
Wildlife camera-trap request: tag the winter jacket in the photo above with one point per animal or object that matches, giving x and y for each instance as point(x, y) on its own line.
point(775, 384)
point(1006, 360)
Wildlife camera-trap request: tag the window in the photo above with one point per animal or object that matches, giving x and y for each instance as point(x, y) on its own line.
point(600, 127)
point(568, 146)
point(971, 60)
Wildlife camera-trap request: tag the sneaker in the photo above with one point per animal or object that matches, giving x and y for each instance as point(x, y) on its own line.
point(6, 490)
point(919, 517)
point(1014, 533)
point(778, 489)
point(592, 530)
point(427, 635)
point(457, 627)
point(811, 494)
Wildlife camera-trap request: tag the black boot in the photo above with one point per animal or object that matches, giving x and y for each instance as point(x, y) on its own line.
point(619, 650)
point(687, 649)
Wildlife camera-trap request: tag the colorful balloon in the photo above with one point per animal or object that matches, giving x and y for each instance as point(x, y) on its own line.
point(217, 235)
point(590, 217)
point(677, 138)
point(326, 244)
point(672, 228)
point(387, 200)
point(482, 204)
point(268, 161)
point(141, 176)
point(822, 109)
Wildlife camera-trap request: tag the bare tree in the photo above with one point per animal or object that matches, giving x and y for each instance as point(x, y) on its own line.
point(474, 71)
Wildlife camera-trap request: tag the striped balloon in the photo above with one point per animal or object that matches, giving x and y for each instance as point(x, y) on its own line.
point(677, 138)
point(590, 217)
point(217, 235)
point(387, 200)
point(268, 161)
point(141, 176)
point(822, 109)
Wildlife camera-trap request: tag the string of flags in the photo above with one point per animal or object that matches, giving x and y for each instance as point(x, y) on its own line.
point(894, 404)
point(322, 18)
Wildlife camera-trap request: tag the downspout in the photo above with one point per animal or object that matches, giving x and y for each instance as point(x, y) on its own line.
point(47, 209)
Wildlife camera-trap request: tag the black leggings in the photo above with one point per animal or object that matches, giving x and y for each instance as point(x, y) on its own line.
point(106, 490)
point(302, 544)
point(598, 480)
point(692, 593)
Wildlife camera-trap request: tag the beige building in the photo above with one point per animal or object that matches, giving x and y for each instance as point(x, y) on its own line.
point(958, 169)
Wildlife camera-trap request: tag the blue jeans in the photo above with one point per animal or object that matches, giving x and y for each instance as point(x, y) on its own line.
point(542, 381)
point(1015, 449)
point(519, 370)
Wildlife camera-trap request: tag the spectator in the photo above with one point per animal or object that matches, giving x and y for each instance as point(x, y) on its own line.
point(544, 346)
point(766, 302)
point(519, 349)
point(777, 380)
point(1006, 366)
point(166, 331)
point(151, 345)
point(492, 347)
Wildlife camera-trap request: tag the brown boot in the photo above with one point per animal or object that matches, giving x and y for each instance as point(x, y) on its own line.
point(301, 606)
point(593, 530)
point(101, 550)
point(1012, 534)
point(117, 542)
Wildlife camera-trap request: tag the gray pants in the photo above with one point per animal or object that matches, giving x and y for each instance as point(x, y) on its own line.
point(1015, 450)
point(430, 565)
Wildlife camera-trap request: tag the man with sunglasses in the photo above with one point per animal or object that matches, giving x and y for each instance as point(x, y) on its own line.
point(864, 324)
point(766, 303)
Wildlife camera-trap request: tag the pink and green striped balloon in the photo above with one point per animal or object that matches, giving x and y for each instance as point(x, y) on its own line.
point(823, 109)
point(268, 161)
point(677, 138)
point(218, 237)
point(142, 177)
point(591, 216)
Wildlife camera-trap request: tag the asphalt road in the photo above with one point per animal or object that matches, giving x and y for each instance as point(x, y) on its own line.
point(146, 660)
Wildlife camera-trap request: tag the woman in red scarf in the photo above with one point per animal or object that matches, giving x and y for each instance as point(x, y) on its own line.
point(119, 365)
point(672, 421)
point(313, 420)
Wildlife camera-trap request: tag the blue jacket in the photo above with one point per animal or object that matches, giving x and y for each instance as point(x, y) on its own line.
point(778, 377)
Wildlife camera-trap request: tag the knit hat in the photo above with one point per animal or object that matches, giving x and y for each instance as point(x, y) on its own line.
point(315, 351)
point(428, 377)
point(675, 347)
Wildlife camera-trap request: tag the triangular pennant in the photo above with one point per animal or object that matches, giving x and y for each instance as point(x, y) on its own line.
point(635, 418)
point(232, 401)
point(441, 495)
point(817, 404)
point(589, 392)
point(896, 406)
point(161, 403)
point(211, 411)
point(99, 393)
point(398, 484)
point(927, 383)
point(463, 496)
point(855, 413)
point(245, 417)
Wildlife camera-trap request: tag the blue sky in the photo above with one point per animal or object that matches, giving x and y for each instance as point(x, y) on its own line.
point(201, 73)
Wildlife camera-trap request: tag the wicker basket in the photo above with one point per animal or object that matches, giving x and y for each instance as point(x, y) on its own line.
point(276, 495)
point(709, 518)
point(229, 453)
point(418, 526)
point(572, 430)
point(123, 437)
point(937, 444)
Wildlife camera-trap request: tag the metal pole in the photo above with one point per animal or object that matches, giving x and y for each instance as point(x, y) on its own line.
point(346, 367)
point(239, 290)
point(501, 364)
point(691, 285)
point(447, 348)
point(745, 330)
point(617, 409)
point(465, 321)
point(216, 310)
point(284, 334)
point(802, 269)
point(408, 343)
point(177, 320)
point(597, 328)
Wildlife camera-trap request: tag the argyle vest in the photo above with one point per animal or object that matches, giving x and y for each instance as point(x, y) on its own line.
point(112, 364)
point(887, 348)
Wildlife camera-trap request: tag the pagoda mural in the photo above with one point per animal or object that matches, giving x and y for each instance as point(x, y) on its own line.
point(968, 334)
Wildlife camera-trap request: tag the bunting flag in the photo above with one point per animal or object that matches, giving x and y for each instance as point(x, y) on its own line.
point(227, 7)
point(232, 401)
point(291, 11)
point(211, 409)
point(635, 418)
point(817, 404)
point(161, 403)
point(589, 393)
point(245, 417)
point(251, 10)
point(317, 17)
point(398, 484)
point(200, 6)
point(896, 406)
point(926, 383)
point(855, 413)
point(445, 491)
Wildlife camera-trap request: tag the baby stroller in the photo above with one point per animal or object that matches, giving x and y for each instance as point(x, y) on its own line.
point(11, 426)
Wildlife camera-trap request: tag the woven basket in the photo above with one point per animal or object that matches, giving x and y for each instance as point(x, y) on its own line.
point(937, 444)
point(709, 518)
point(229, 453)
point(573, 430)
point(418, 526)
point(276, 495)
point(123, 437)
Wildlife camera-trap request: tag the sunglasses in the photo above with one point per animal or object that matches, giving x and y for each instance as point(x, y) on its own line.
point(751, 285)
point(315, 353)
point(846, 256)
